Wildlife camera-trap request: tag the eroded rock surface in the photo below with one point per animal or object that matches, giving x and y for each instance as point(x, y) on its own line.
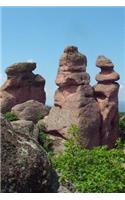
point(30, 110)
point(74, 101)
point(106, 92)
point(21, 85)
point(25, 127)
point(24, 163)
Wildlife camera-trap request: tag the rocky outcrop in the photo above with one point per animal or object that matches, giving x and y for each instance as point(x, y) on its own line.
point(74, 102)
point(106, 92)
point(30, 110)
point(24, 163)
point(25, 127)
point(21, 85)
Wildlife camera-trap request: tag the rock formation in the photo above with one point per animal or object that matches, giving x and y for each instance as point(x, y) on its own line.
point(106, 92)
point(25, 127)
point(74, 102)
point(24, 163)
point(30, 110)
point(21, 85)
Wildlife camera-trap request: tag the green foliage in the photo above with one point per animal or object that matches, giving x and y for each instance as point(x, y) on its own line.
point(122, 125)
point(121, 114)
point(44, 139)
point(97, 170)
point(40, 115)
point(10, 116)
point(73, 133)
point(120, 144)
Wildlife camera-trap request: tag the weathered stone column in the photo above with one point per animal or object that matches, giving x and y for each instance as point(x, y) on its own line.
point(74, 101)
point(106, 92)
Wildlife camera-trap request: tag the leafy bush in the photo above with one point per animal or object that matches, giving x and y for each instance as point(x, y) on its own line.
point(121, 114)
point(122, 125)
point(10, 116)
point(44, 139)
point(120, 144)
point(40, 115)
point(45, 142)
point(96, 170)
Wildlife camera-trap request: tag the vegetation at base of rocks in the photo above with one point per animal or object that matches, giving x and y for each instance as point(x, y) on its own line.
point(40, 116)
point(122, 121)
point(97, 170)
point(121, 114)
point(120, 143)
point(122, 125)
point(44, 140)
point(10, 116)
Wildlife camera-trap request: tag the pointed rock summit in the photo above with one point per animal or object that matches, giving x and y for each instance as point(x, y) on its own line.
point(21, 85)
point(74, 102)
point(106, 92)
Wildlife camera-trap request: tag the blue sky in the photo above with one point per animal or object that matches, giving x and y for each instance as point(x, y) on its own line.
point(41, 33)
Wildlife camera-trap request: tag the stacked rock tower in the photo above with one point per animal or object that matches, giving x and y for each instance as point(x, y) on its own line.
point(74, 101)
point(106, 92)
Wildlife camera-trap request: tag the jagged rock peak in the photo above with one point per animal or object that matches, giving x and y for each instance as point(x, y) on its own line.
point(104, 62)
point(20, 68)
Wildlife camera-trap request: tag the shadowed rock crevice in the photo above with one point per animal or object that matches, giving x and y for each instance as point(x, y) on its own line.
point(55, 133)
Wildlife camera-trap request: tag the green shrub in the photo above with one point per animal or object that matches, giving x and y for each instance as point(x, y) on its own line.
point(45, 142)
point(40, 115)
point(121, 114)
point(10, 116)
point(44, 139)
point(120, 144)
point(122, 125)
point(97, 170)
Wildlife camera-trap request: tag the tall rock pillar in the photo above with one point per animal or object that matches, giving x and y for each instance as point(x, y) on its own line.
point(74, 101)
point(106, 92)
